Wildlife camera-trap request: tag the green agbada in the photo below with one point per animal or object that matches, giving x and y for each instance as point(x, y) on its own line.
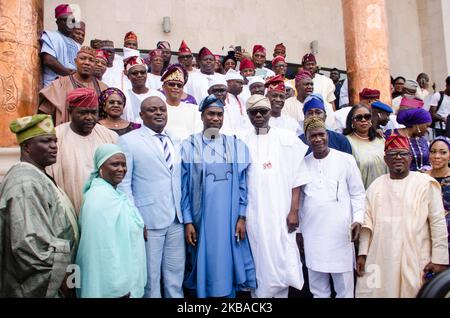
point(38, 234)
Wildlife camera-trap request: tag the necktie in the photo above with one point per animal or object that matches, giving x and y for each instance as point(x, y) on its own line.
point(166, 149)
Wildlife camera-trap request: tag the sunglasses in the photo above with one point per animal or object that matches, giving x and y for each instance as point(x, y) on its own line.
point(219, 91)
point(255, 112)
point(173, 84)
point(135, 73)
point(360, 117)
point(185, 57)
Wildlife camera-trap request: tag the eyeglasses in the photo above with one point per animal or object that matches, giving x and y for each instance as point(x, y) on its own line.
point(402, 154)
point(255, 112)
point(186, 57)
point(174, 84)
point(135, 73)
point(360, 117)
point(218, 90)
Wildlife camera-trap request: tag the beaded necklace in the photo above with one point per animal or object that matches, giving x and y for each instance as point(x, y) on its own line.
point(419, 167)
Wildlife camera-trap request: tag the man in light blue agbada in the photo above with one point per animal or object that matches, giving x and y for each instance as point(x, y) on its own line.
point(214, 202)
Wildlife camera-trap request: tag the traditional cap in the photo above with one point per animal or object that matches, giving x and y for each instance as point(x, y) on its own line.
point(233, 75)
point(276, 83)
point(411, 86)
point(87, 50)
point(312, 123)
point(163, 45)
point(368, 93)
point(133, 61)
point(100, 54)
point(255, 79)
point(381, 106)
point(175, 72)
point(313, 101)
point(217, 80)
point(82, 97)
point(218, 58)
point(204, 52)
point(280, 46)
point(288, 84)
point(32, 126)
point(210, 101)
point(259, 48)
point(62, 9)
point(308, 58)
point(184, 48)
point(107, 44)
point(411, 102)
point(108, 92)
point(258, 101)
point(396, 142)
point(130, 36)
point(303, 74)
point(246, 63)
point(278, 59)
point(413, 116)
point(154, 53)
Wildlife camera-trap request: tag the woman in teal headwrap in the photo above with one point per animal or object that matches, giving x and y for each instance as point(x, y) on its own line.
point(111, 254)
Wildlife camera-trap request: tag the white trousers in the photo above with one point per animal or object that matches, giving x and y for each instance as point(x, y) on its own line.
point(319, 284)
point(281, 294)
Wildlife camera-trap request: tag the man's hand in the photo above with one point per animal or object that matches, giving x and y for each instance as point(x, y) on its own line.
point(360, 265)
point(240, 229)
point(356, 229)
point(292, 221)
point(238, 56)
point(191, 235)
point(434, 268)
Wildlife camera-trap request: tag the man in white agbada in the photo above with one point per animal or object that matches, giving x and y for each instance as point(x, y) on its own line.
point(404, 235)
point(136, 70)
point(274, 178)
point(114, 76)
point(322, 85)
point(199, 82)
point(293, 106)
point(331, 215)
point(235, 118)
point(255, 86)
point(276, 93)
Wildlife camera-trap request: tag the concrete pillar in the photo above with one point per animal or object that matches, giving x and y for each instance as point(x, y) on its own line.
point(435, 35)
point(366, 47)
point(21, 23)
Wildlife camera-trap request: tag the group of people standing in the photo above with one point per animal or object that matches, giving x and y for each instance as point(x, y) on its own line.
point(252, 190)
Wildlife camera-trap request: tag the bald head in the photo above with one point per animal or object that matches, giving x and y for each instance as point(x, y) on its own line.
point(154, 113)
